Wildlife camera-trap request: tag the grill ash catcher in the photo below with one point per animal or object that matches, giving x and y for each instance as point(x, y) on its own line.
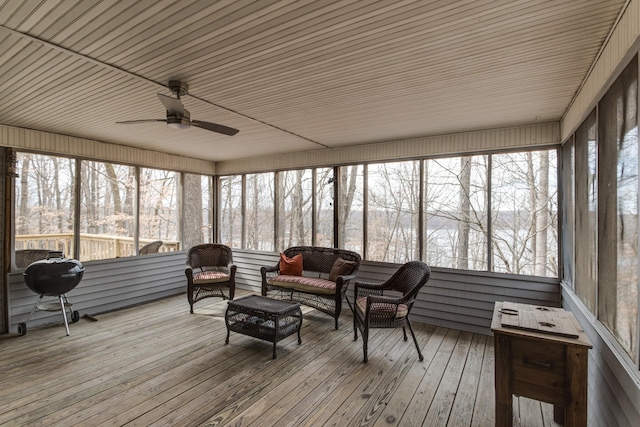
point(53, 277)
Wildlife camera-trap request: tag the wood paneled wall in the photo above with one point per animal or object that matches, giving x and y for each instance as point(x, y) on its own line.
point(540, 135)
point(623, 43)
point(51, 143)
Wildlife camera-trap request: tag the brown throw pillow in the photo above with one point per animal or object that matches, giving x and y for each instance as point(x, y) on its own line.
point(341, 268)
point(291, 266)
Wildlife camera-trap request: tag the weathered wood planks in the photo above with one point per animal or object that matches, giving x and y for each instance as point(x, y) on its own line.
point(156, 364)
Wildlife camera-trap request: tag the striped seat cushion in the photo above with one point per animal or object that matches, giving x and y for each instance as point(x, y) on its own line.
point(382, 307)
point(210, 277)
point(305, 284)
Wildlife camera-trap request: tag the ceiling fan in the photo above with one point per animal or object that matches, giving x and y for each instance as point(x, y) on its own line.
point(178, 117)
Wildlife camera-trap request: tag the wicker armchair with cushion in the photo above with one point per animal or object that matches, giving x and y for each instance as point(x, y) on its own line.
point(314, 276)
point(210, 272)
point(374, 309)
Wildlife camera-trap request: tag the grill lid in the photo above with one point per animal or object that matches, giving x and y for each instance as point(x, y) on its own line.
point(53, 277)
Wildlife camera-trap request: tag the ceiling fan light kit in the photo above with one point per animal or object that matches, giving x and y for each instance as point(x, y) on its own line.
point(179, 122)
point(179, 117)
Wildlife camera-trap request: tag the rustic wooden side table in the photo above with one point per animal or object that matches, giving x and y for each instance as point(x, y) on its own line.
point(540, 353)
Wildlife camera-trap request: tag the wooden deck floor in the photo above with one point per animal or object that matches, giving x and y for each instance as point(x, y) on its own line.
point(156, 364)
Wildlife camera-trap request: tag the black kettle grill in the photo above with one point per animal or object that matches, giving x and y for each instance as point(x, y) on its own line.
point(53, 277)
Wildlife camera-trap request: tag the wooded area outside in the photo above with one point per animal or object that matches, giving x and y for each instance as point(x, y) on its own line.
point(456, 207)
point(45, 206)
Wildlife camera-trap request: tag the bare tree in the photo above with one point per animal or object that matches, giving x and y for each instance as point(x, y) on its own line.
point(193, 220)
point(464, 224)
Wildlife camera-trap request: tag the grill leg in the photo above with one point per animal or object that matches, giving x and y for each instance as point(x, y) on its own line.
point(33, 309)
point(64, 314)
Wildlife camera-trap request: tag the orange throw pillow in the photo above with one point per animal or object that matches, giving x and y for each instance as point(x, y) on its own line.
point(291, 266)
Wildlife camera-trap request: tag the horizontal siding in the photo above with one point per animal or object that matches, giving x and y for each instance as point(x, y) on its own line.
point(455, 299)
point(51, 143)
point(623, 43)
point(545, 134)
point(613, 384)
point(106, 285)
point(249, 263)
point(460, 300)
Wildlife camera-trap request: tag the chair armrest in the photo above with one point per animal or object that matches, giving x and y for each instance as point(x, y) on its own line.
point(369, 285)
point(346, 278)
point(343, 281)
point(367, 288)
point(270, 269)
point(263, 272)
point(384, 300)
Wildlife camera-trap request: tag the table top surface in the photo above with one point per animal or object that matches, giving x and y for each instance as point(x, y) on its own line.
point(267, 305)
point(539, 322)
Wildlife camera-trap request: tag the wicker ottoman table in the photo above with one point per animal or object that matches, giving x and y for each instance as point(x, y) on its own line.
point(264, 318)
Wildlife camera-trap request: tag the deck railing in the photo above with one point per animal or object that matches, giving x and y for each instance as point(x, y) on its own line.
point(92, 246)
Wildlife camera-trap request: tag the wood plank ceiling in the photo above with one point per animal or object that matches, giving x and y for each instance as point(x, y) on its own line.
point(293, 75)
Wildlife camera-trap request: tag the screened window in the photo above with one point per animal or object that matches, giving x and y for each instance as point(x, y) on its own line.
point(351, 208)
point(393, 199)
point(260, 211)
point(524, 213)
point(324, 206)
point(618, 209)
point(198, 214)
point(455, 212)
point(568, 204)
point(159, 208)
point(45, 193)
point(231, 211)
point(107, 201)
point(586, 191)
point(295, 212)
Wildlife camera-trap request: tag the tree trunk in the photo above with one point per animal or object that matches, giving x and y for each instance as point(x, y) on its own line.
point(193, 219)
point(464, 207)
point(533, 208)
point(23, 209)
point(348, 178)
point(543, 215)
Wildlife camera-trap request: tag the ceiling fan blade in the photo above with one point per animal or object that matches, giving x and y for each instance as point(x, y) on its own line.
point(129, 122)
point(214, 127)
point(173, 105)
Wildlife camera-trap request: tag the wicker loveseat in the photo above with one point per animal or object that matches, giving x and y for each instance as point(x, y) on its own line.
point(313, 288)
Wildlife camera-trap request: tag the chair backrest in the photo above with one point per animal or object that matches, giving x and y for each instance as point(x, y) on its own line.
point(150, 248)
point(24, 257)
point(409, 278)
point(209, 255)
point(321, 259)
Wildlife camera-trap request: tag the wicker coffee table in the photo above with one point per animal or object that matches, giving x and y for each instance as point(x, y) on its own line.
point(264, 318)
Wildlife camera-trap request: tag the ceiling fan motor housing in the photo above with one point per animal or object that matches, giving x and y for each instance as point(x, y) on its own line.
point(178, 88)
point(179, 122)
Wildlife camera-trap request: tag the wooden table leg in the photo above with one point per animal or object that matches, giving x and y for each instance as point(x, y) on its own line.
point(576, 407)
point(558, 414)
point(504, 400)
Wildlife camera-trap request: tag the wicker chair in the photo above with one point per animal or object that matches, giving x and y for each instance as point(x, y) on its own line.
point(372, 309)
point(210, 270)
point(150, 248)
point(24, 257)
